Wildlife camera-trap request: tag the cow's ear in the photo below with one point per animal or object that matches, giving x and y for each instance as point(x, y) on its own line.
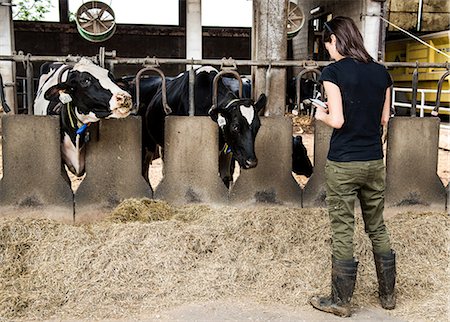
point(214, 113)
point(261, 102)
point(52, 94)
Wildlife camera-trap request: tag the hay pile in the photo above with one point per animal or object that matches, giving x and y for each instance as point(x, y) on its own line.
point(149, 256)
point(302, 124)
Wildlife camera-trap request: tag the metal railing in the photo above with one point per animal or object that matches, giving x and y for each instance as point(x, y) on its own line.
point(421, 103)
point(422, 106)
point(110, 59)
point(21, 58)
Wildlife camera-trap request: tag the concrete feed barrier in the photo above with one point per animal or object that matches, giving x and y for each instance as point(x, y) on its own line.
point(33, 183)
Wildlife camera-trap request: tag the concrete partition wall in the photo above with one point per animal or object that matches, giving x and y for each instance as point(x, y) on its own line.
point(314, 192)
point(271, 181)
point(113, 168)
point(191, 162)
point(32, 183)
point(412, 156)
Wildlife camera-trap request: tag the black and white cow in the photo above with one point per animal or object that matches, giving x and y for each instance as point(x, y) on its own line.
point(237, 118)
point(301, 164)
point(80, 95)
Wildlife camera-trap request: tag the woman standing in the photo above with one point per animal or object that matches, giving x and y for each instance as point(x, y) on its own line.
point(358, 91)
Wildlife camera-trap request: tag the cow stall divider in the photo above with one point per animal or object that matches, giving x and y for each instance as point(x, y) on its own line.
point(191, 154)
point(412, 158)
point(15, 183)
point(271, 182)
point(32, 184)
point(315, 190)
point(113, 168)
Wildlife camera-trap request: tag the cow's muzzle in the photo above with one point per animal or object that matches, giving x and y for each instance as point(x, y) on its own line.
point(250, 163)
point(123, 105)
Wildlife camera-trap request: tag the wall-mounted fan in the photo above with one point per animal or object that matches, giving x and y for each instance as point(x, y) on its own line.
point(95, 21)
point(295, 20)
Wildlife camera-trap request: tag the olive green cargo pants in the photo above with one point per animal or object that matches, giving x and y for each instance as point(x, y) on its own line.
point(347, 181)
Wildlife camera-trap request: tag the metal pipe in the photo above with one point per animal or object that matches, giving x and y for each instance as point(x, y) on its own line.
point(166, 106)
point(30, 87)
point(234, 73)
point(191, 91)
point(435, 111)
point(259, 63)
point(419, 15)
point(415, 84)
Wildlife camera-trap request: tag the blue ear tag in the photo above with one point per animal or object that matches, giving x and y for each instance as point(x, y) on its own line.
point(82, 128)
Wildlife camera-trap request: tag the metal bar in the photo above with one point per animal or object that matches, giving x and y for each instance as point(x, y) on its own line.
point(259, 63)
point(215, 103)
point(422, 104)
point(166, 106)
point(438, 93)
point(29, 87)
point(191, 91)
point(419, 15)
point(415, 84)
point(428, 108)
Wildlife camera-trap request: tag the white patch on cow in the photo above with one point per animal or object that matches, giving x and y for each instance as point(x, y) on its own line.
point(73, 155)
point(45, 82)
point(221, 120)
point(86, 118)
point(179, 75)
point(207, 69)
point(248, 112)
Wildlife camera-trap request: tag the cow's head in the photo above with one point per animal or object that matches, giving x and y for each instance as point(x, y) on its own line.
point(239, 121)
point(93, 93)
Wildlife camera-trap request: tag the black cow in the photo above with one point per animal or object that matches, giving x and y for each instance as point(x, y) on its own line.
point(233, 84)
point(80, 95)
point(148, 87)
point(300, 161)
point(237, 118)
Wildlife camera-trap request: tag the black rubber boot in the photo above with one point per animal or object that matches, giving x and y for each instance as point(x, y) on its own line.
point(343, 279)
point(386, 273)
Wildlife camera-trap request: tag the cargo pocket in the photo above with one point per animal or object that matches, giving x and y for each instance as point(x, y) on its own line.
point(342, 225)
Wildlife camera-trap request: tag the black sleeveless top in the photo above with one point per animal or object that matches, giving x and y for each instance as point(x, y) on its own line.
point(363, 89)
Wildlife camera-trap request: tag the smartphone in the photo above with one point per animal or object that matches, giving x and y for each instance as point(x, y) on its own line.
point(318, 102)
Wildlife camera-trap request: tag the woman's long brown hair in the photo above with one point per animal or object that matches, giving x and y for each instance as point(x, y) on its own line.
point(349, 42)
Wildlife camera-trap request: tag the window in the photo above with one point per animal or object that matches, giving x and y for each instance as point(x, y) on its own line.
point(227, 13)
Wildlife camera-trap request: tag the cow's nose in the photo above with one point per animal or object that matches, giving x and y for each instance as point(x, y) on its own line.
point(124, 102)
point(123, 99)
point(251, 163)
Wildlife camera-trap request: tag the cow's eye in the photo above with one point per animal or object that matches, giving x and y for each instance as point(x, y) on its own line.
point(86, 82)
point(235, 128)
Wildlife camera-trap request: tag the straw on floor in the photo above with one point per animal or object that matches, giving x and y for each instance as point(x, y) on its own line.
point(149, 256)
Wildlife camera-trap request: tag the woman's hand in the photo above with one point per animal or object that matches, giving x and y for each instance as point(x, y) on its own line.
point(321, 112)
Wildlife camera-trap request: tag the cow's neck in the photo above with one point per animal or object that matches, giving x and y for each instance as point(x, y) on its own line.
point(70, 123)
